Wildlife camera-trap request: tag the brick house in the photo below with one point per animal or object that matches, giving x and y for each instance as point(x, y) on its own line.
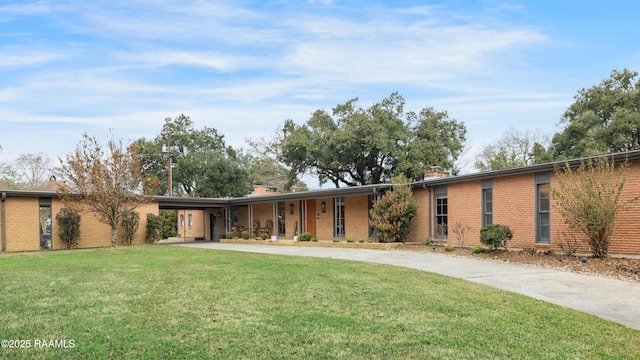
point(517, 197)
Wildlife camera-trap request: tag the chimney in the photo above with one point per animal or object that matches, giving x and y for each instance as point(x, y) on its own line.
point(435, 173)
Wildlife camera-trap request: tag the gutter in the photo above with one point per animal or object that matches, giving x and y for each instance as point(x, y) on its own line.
point(3, 223)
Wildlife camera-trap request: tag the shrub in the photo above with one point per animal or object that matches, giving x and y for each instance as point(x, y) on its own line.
point(589, 200)
point(349, 240)
point(450, 248)
point(169, 223)
point(305, 236)
point(154, 228)
point(314, 239)
point(495, 236)
point(130, 222)
point(68, 227)
point(245, 234)
point(461, 232)
point(229, 234)
point(477, 249)
point(391, 215)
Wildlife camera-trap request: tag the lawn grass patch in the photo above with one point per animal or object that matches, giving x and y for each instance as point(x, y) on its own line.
point(171, 302)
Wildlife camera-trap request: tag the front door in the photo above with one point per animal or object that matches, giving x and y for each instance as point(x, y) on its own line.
point(212, 225)
point(311, 218)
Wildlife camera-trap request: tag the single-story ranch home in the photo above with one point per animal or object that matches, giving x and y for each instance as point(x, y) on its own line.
point(519, 198)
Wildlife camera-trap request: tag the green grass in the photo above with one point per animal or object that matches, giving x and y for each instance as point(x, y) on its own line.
point(160, 302)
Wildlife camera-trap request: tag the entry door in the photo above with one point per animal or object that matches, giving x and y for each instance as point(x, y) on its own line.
point(212, 222)
point(311, 218)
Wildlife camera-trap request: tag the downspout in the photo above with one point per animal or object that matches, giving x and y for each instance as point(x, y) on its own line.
point(3, 223)
point(430, 201)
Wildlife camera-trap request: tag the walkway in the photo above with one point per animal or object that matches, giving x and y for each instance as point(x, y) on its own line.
point(610, 299)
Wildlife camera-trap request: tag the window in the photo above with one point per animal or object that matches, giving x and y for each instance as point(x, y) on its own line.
point(190, 220)
point(543, 207)
point(282, 228)
point(44, 220)
point(487, 202)
point(441, 213)
point(182, 220)
point(338, 217)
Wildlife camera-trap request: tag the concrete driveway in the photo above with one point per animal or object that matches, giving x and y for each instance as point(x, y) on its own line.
point(609, 299)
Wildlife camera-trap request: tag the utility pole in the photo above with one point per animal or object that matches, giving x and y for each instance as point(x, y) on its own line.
point(170, 177)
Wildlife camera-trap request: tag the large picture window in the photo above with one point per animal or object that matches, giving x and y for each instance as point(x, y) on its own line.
point(45, 224)
point(338, 217)
point(543, 209)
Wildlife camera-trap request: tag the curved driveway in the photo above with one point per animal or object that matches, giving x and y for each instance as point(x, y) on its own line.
point(614, 300)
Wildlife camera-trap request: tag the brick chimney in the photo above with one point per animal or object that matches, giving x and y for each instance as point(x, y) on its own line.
point(435, 172)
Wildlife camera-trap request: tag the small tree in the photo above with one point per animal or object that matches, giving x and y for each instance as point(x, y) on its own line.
point(154, 228)
point(68, 227)
point(391, 216)
point(130, 222)
point(589, 199)
point(105, 183)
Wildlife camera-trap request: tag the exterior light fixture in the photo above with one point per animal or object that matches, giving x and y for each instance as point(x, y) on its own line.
point(323, 207)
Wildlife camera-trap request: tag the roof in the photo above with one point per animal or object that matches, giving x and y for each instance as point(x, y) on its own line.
point(529, 169)
point(167, 202)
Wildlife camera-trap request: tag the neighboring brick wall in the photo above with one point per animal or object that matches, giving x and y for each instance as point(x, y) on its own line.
point(514, 205)
point(625, 239)
point(420, 224)
point(22, 224)
point(324, 225)
point(356, 209)
point(196, 230)
point(464, 202)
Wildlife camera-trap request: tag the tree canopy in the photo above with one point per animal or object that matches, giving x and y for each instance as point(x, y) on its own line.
point(267, 167)
point(356, 146)
point(603, 119)
point(202, 164)
point(515, 148)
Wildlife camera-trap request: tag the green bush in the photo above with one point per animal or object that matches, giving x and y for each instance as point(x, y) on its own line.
point(130, 222)
point(245, 234)
point(477, 249)
point(349, 240)
point(154, 228)
point(68, 227)
point(229, 234)
point(449, 248)
point(495, 236)
point(314, 239)
point(305, 237)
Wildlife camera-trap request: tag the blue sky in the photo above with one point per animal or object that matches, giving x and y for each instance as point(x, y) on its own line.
point(243, 67)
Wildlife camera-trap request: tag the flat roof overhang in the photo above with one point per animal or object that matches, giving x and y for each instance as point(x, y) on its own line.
point(192, 203)
point(312, 194)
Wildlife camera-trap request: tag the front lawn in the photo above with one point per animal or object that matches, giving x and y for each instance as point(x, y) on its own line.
point(160, 302)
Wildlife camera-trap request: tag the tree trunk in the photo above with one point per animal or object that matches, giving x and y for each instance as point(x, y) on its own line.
point(114, 238)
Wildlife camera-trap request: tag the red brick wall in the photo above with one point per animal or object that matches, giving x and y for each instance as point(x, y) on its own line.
point(465, 209)
point(420, 223)
point(22, 217)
